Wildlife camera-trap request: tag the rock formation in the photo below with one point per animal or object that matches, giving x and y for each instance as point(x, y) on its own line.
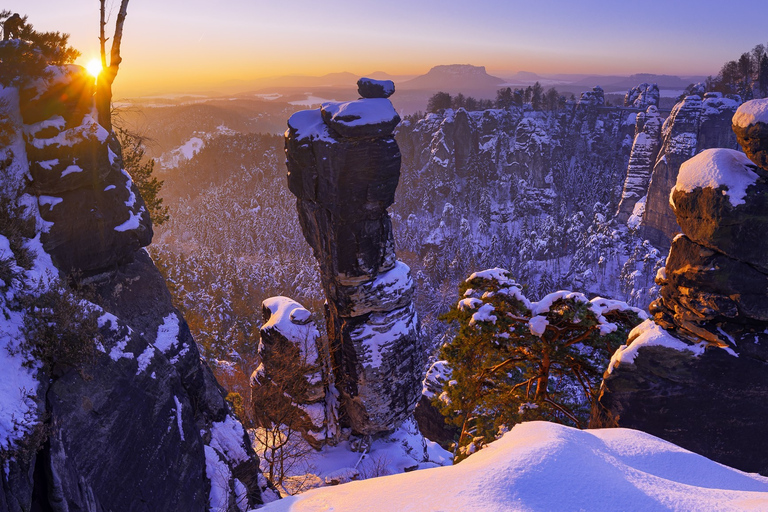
point(701, 381)
point(145, 425)
point(292, 379)
point(642, 96)
point(645, 149)
point(343, 168)
point(694, 125)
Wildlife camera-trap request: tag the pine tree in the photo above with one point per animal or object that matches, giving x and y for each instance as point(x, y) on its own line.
point(27, 57)
point(141, 170)
point(513, 360)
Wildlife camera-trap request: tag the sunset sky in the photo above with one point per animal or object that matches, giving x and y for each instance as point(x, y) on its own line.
point(180, 45)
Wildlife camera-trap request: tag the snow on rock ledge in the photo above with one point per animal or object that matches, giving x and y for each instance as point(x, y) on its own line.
point(715, 168)
point(751, 112)
point(367, 117)
point(648, 334)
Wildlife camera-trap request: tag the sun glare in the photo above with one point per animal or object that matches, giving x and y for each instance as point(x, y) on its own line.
point(94, 67)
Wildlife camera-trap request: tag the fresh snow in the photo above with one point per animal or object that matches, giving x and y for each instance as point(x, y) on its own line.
point(71, 169)
point(309, 125)
point(538, 325)
point(649, 334)
point(292, 320)
point(545, 466)
point(167, 333)
point(365, 111)
point(133, 222)
point(716, 168)
point(751, 112)
point(49, 201)
point(227, 438)
point(219, 475)
point(18, 385)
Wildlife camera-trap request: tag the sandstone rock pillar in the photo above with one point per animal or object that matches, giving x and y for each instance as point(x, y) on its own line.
point(343, 167)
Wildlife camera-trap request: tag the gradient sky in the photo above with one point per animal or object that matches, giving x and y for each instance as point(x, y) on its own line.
point(184, 44)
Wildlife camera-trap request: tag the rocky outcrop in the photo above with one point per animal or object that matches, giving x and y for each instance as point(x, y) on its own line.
point(98, 218)
point(694, 125)
point(642, 96)
point(293, 380)
point(700, 382)
point(143, 425)
point(343, 168)
point(645, 150)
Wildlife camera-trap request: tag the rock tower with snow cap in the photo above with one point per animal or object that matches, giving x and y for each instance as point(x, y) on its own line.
point(343, 167)
point(698, 377)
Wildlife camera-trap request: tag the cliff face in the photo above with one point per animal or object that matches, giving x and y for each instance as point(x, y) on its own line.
point(698, 377)
point(144, 425)
point(694, 125)
point(645, 149)
point(343, 168)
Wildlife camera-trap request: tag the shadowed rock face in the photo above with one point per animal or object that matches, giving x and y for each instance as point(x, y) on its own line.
point(98, 217)
point(694, 125)
point(145, 425)
point(343, 167)
point(714, 298)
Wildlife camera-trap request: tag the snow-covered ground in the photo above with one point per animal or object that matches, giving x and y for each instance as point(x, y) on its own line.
point(540, 466)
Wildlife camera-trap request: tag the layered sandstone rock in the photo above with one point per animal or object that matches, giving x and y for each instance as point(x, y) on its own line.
point(694, 125)
point(343, 168)
point(701, 381)
point(645, 150)
point(293, 379)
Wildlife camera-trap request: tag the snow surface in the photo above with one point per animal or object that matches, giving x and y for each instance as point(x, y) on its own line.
point(309, 125)
point(716, 168)
point(540, 466)
point(227, 438)
point(167, 333)
point(133, 222)
point(649, 334)
point(751, 112)
point(405, 448)
point(362, 112)
point(292, 320)
point(538, 325)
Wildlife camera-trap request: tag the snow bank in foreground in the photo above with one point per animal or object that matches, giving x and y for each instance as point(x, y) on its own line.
point(544, 466)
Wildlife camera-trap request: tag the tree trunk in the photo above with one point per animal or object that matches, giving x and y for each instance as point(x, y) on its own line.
point(108, 73)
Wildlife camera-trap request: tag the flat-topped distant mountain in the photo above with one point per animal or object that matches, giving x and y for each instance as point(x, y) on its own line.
point(454, 78)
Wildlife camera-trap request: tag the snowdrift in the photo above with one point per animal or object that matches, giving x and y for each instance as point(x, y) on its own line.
point(540, 466)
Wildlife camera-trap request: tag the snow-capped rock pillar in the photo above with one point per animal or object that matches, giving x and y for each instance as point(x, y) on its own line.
point(699, 381)
point(343, 167)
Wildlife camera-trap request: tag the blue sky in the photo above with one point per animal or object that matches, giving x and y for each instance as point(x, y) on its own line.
point(197, 41)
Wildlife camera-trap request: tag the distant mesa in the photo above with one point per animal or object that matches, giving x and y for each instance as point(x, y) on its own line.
point(455, 78)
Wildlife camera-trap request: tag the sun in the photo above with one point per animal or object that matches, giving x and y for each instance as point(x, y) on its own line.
point(94, 67)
